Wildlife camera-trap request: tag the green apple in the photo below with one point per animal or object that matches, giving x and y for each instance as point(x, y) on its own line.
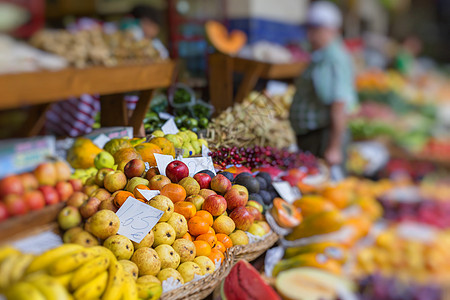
point(104, 160)
point(197, 146)
point(158, 133)
point(175, 139)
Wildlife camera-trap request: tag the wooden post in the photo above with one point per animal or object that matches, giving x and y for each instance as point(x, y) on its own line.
point(113, 110)
point(35, 121)
point(142, 106)
point(220, 81)
point(249, 81)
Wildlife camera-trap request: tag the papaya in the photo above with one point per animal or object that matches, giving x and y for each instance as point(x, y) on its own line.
point(331, 249)
point(166, 146)
point(114, 145)
point(82, 153)
point(338, 195)
point(136, 141)
point(147, 151)
point(227, 43)
point(321, 223)
point(316, 260)
point(285, 214)
point(313, 204)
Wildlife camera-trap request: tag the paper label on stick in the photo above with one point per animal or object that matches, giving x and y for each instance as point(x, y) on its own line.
point(137, 219)
point(286, 191)
point(165, 116)
point(170, 127)
point(148, 194)
point(194, 164)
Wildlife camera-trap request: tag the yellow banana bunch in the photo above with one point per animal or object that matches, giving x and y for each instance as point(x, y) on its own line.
point(116, 280)
point(129, 289)
point(149, 290)
point(24, 291)
point(50, 288)
point(20, 267)
point(6, 251)
point(70, 262)
point(6, 269)
point(92, 289)
point(89, 271)
point(65, 279)
point(49, 257)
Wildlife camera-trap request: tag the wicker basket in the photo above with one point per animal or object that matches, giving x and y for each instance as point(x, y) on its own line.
point(202, 288)
point(252, 251)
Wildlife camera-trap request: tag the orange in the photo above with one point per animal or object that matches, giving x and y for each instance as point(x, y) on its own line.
point(136, 192)
point(202, 248)
point(174, 191)
point(208, 237)
point(205, 215)
point(197, 226)
point(187, 209)
point(211, 230)
point(188, 237)
point(120, 197)
point(216, 255)
point(225, 240)
point(147, 151)
point(221, 247)
point(337, 195)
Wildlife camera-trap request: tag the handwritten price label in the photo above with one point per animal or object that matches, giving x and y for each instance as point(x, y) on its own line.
point(148, 194)
point(170, 127)
point(137, 219)
point(194, 164)
point(286, 191)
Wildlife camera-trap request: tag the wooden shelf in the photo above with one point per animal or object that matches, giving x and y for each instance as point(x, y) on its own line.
point(41, 88)
point(222, 67)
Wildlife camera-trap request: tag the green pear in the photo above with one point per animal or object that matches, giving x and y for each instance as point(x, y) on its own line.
point(165, 274)
point(184, 136)
point(164, 234)
point(192, 135)
point(104, 160)
point(168, 256)
point(188, 149)
point(158, 133)
point(176, 140)
point(203, 142)
point(197, 146)
point(188, 270)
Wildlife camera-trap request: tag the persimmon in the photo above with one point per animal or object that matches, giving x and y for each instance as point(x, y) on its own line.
point(216, 255)
point(187, 209)
point(206, 215)
point(202, 248)
point(221, 247)
point(225, 240)
point(197, 226)
point(120, 198)
point(188, 237)
point(174, 191)
point(208, 237)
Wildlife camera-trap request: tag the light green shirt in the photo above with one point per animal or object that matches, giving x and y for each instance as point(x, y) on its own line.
point(328, 78)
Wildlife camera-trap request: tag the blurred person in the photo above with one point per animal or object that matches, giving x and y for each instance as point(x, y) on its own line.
point(325, 91)
point(405, 59)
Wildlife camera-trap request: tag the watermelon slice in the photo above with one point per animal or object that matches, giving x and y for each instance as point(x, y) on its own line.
point(245, 283)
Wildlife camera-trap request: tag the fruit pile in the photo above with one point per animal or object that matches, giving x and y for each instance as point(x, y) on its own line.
point(48, 184)
point(184, 122)
point(203, 216)
point(72, 271)
point(184, 139)
point(256, 157)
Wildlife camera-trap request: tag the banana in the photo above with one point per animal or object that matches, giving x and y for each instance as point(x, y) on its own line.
point(88, 271)
point(149, 290)
point(50, 256)
point(21, 266)
point(6, 268)
point(50, 288)
point(93, 289)
point(70, 262)
point(115, 282)
point(102, 251)
point(64, 280)
point(129, 290)
point(24, 291)
point(6, 251)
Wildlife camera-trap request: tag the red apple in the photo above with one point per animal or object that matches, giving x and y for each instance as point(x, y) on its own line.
point(15, 205)
point(50, 194)
point(203, 179)
point(77, 184)
point(64, 190)
point(34, 200)
point(158, 182)
point(11, 185)
point(134, 168)
point(46, 174)
point(153, 171)
point(77, 199)
point(236, 198)
point(29, 181)
point(215, 205)
point(257, 216)
point(220, 184)
point(62, 170)
point(176, 171)
point(205, 193)
point(3, 212)
point(256, 205)
point(242, 218)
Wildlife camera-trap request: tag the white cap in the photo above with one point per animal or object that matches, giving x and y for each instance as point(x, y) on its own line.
point(324, 14)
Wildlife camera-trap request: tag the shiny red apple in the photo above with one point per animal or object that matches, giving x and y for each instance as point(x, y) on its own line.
point(220, 184)
point(176, 171)
point(235, 198)
point(15, 205)
point(215, 205)
point(50, 194)
point(77, 184)
point(64, 190)
point(203, 179)
point(29, 181)
point(242, 218)
point(257, 216)
point(34, 200)
point(11, 185)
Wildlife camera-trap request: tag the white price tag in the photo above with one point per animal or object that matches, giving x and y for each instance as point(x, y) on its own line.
point(148, 194)
point(194, 164)
point(286, 191)
point(197, 164)
point(205, 151)
point(170, 127)
point(165, 116)
point(101, 140)
point(137, 219)
point(39, 243)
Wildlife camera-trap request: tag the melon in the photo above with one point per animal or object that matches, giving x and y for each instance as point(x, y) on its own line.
point(244, 283)
point(312, 284)
point(227, 43)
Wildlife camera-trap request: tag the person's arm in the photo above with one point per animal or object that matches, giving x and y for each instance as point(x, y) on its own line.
point(333, 154)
